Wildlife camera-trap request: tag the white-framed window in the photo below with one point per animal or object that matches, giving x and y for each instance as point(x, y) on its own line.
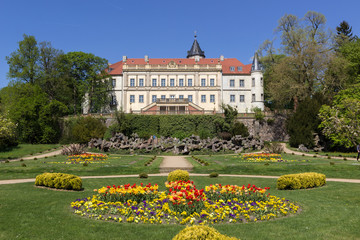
point(132, 82)
point(132, 98)
point(113, 82)
point(253, 82)
point(203, 82)
point(212, 82)
point(203, 98)
point(212, 98)
point(181, 96)
point(181, 82)
point(172, 82)
point(242, 83)
point(163, 82)
point(172, 96)
point(253, 98)
point(141, 98)
point(239, 68)
point(232, 68)
point(153, 98)
point(232, 83)
point(141, 82)
point(232, 98)
point(242, 98)
point(190, 98)
point(190, 82)
point(163, 97)
point(154, 82)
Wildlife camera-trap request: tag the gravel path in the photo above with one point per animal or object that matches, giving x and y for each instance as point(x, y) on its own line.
point(48, 154)
point(171, 163)
point(14, 181)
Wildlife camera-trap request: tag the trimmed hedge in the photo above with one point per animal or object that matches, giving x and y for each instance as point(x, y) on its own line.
point(301, 180)
point(198, 232)
point(178, 175)
point(59, 181)
point(179, 126)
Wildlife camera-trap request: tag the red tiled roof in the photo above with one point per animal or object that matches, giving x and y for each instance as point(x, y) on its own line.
point(226, 64)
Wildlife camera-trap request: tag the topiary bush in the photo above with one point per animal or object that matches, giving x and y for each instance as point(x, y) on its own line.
point(178, 175)
point(201, 232)
point(214, 175)
point(59, 181)
point(301, 181)
point(143, 175)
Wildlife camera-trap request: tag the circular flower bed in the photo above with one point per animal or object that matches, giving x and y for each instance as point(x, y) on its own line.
point(182, 203)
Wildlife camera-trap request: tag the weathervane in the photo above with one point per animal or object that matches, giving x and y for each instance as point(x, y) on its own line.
point(195, 33)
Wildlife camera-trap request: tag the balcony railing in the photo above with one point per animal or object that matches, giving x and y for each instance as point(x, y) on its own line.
point(172, 100)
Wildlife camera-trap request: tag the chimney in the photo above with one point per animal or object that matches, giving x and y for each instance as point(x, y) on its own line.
point(221, 57)
point(124, 58)
point(146, 58)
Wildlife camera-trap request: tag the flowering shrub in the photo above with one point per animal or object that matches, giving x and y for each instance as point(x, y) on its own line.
point(301, 180)
point(201, 233)
point(87, 157)
point(178, 175)
point(59, 181)
point(182, 203)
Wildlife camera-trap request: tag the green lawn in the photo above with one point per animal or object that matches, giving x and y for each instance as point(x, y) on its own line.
point(117, 164)
point(232, 164)
point(23, 150)
point(330, 212)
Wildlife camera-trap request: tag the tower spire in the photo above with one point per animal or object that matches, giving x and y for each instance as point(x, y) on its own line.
point(256, 66)
point(195, 50)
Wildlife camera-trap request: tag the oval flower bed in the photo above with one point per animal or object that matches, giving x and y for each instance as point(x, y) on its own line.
point(87, 157)
point(182, 203)
point(262, 157)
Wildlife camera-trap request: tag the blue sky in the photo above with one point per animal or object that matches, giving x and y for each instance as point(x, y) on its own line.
point(113, 28)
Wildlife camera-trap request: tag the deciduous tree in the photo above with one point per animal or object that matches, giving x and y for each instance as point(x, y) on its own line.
point(23, 63)
point(305, 44)
point(341, 121)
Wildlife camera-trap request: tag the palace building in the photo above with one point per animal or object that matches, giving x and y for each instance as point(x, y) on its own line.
point(191, 85)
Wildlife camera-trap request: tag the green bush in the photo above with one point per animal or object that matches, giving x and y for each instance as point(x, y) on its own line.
point(259, 115)
point(143, 175)
point(199, 232)
point(214, 175)
point(178, 175)
point(59, 181)
point(239, 129)
point(301, 181)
